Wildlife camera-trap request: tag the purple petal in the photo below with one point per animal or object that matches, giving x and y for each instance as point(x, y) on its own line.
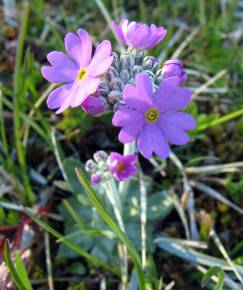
point(58, 96)
point(144, 87)
point(118, 31)
point(60, 60)
point(161, 147)
point(68, 100)
point(101, 67)
point(139, 97)
point(179, 119)
point(57, 75)
point(157, 35)
point(131, 158)
point(176, 101)
point(130, 132)
point(144, 142)
point(102, 52)
point(174, 135)
point(86, 47)
point(125, 116)
point(78, 48)
point(86, 88)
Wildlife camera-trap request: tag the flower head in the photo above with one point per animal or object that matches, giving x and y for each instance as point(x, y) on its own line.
point(122, 167)
point(152, 119)
point(77, 69)
point(174, 68)
point(138, 35)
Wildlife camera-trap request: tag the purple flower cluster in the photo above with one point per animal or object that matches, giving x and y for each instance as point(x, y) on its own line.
point(147, 100)
point(103, 167)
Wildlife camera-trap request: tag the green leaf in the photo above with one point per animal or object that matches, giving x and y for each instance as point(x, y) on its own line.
point(112, 224)
point(211, 272)
point(82, 252)
point(17, 280)
point(22, 271)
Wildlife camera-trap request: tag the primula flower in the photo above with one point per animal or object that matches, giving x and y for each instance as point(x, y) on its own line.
point(78, 70)
point(122, 167)
point(174, 68)
point(152, 119)
point(138, 35)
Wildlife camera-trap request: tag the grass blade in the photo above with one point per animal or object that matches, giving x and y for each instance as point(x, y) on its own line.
point(16, 112)
point(17, 280)
point(211, 272)
point(112, 224)
point(22, 271)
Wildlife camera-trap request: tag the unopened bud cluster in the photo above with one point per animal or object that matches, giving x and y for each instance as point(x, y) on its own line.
point(98, 167)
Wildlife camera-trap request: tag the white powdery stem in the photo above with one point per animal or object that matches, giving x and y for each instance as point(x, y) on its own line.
point(114, 199)
point(128, 148)
point(143, 216)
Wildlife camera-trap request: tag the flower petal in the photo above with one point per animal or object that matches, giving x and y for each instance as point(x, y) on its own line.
point(173, 134)
point(100, 68)
point(79, 47)
point(56, 75)
point(86, 44)
point(160, 144)
point(144, 142)
point(60, 60)
point(130, 132)
point(68, 100)
point(131, 158)
point(86, 88)
point(103, 51)
point(144, 87)
point(58, 96)
point(179, 119)
point(170, 97)
point(118, 30)
point(125, 116)
point(139, 97)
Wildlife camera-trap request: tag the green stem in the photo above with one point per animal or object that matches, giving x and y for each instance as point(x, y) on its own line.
point(16, 110)
point(220, 120)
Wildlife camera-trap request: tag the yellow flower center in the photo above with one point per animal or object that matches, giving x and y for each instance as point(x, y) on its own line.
point(120, 167)
point(152, 115)
point(82, 74)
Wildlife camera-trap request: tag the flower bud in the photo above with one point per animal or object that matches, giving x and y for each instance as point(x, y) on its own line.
point(95, 178)
point(174, 68)
point(100, 156)
point(93, 105)
point(90, 166)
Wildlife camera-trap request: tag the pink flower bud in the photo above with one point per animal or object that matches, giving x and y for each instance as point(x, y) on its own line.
point(93, 105)
point(174, 68)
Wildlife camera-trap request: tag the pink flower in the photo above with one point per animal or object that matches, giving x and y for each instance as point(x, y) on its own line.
point(174, 68)
point(122, 167)
point(138, 35)
point(78, 70)
point(152, 119)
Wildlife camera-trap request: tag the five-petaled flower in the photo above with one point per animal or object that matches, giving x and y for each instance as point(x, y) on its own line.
point(78, 70)
point(152, 119)
point(122, 167)
point(138, 35)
